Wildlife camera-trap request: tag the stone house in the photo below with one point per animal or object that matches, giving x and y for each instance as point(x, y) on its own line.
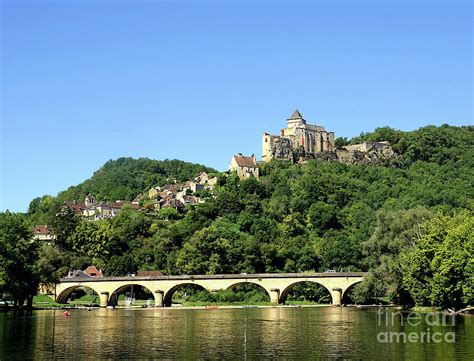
point(194, 186)
point(246, 167)
point(211, 183)
point(153, 192)
point(202, 178)
point(75, 206)
point(102, 210)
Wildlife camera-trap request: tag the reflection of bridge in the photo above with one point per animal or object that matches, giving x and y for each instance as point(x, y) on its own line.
point(277, 285)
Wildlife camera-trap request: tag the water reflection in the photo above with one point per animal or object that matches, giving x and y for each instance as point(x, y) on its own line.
point(249, 333)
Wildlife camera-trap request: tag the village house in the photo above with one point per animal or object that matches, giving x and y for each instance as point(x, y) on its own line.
point(75, 206)
point(153, 192)
point(94, 211)
point(202, 178)
point(206, 181)
point(90, 271)
point(42, 233)
point(246, 167)
point(102, 210)
point(174, 203)
point(211, 183)
point(188, 199)
point(194, 186)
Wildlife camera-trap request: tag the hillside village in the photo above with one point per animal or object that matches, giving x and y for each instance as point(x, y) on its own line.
point(298, 142)
point(176, 195)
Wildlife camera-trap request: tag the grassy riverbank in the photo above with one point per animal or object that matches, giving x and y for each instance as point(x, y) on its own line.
point(44, 301)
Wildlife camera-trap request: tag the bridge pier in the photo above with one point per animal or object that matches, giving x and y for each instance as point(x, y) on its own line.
point(336, 294)
point(159, 295)
point(104, 299)
point(275, 296)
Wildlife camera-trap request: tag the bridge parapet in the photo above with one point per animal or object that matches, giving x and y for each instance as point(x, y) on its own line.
point(218, 276)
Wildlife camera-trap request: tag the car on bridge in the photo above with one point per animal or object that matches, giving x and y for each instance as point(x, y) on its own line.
point(330, 271)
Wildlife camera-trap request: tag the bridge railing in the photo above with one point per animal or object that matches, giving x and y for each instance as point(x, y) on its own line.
point(219, 276)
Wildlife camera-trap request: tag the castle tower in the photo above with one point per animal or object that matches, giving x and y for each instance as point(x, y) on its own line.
point(313, 138)
point(295, 119)
point(266, 147)
point(89, 200)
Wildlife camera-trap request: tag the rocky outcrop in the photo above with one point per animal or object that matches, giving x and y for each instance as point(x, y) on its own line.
point(376, 153)
point(282, 148)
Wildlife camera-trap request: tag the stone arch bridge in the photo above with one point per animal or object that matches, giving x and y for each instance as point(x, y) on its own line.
point(277, 285)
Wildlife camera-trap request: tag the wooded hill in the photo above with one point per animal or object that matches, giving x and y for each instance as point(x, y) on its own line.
point(411, 225)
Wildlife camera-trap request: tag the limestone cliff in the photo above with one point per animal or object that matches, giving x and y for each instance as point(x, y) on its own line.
point(377, 153)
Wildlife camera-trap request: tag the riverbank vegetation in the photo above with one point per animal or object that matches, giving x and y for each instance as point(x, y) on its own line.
point(410, 225)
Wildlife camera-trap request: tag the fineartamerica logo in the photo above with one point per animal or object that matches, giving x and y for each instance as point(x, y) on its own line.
point(398, 319)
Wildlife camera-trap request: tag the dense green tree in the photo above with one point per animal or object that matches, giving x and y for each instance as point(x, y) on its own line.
point(340, 142)
point(321, 216)
point(437, 270)
point(219, 248)
point(18, 257)
point(63, 225)
point(50, 264)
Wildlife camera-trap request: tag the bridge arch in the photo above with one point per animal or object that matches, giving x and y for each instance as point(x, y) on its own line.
point(284, 293)
point(63, 296)
point(249, 282)
point(345, 294)
point(113, 297)
point(168, 296)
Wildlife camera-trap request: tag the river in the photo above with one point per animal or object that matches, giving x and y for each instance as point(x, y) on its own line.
point(237, 334)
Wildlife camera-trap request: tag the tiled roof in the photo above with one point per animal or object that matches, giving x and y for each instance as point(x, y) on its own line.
point(172, 202)
point(243, 161)
point(190, 199)
point(75, 206)
point(93, 271)
point(41, 229)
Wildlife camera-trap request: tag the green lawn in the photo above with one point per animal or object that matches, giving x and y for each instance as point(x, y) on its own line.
point(44, 301)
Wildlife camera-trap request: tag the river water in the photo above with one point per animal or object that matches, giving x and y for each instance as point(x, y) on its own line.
point(237, 334)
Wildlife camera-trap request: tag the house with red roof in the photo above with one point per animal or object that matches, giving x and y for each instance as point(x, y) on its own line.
point(42, 233)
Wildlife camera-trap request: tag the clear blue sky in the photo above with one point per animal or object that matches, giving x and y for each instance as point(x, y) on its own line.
point(88, 81)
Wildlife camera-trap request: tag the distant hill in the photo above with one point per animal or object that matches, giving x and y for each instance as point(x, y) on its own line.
point(124, 178)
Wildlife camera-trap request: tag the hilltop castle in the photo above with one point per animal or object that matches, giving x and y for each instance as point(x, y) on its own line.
point(297, 138)
point(300, 142)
